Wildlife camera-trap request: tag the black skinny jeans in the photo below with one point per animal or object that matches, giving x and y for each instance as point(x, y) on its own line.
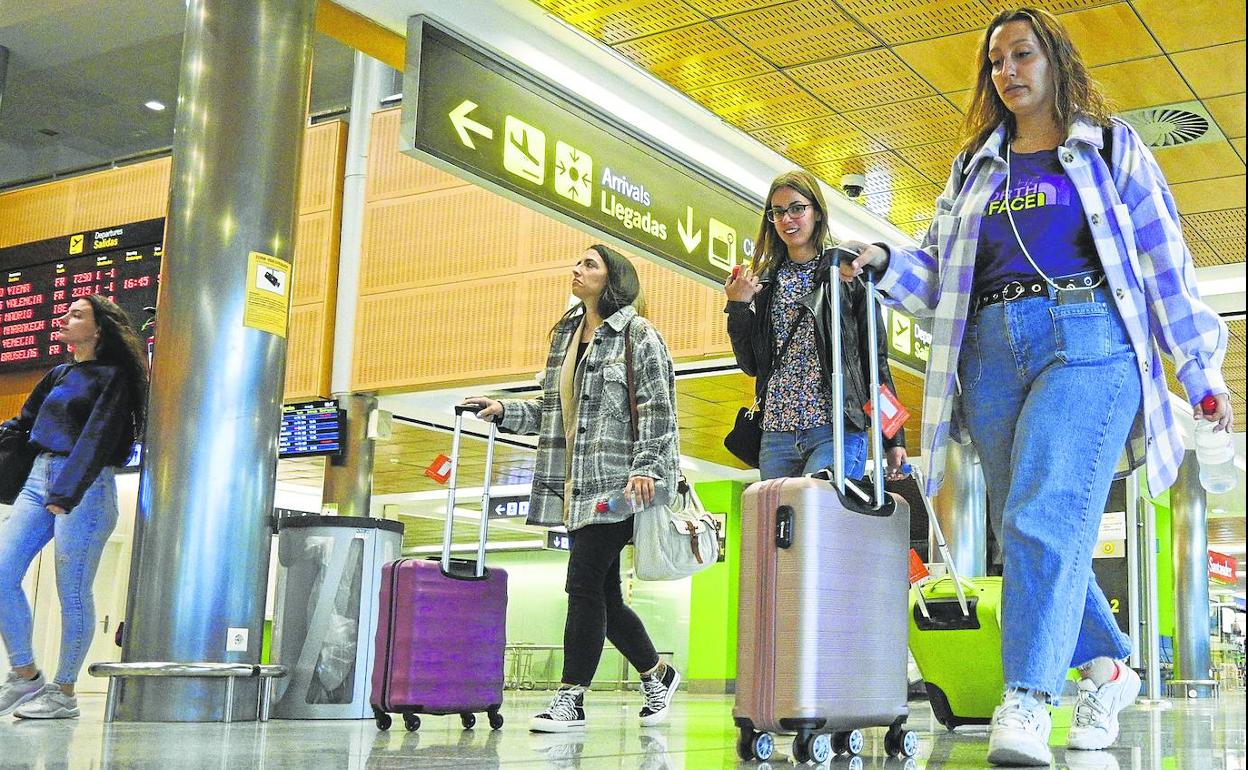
point(596, 609)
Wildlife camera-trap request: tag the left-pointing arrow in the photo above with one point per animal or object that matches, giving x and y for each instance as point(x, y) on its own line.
point(463, 124)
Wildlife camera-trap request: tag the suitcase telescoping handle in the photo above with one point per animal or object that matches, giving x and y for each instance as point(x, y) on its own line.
point(875, 430)
point(943, 547)
point(448, 530)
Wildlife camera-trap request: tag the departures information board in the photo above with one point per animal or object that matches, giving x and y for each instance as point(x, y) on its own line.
point(309, 429)
point(39, 281)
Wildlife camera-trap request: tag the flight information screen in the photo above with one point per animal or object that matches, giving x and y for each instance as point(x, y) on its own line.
point(310, 428)
point(39, 281)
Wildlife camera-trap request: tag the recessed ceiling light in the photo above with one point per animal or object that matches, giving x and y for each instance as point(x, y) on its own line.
point(155, 106)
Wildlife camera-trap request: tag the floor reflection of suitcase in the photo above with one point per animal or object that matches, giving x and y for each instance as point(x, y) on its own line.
point(821, 623)
point(955, 637)
point(441, 628)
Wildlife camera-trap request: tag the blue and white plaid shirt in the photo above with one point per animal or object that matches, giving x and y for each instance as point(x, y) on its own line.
point(1135, 225)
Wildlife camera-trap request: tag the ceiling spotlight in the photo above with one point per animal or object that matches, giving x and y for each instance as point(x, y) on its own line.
point(155, 106)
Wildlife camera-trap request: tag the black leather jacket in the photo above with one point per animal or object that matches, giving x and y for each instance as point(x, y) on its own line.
point(753, 341)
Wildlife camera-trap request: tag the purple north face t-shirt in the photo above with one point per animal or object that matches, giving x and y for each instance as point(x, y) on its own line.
point(1050, 220)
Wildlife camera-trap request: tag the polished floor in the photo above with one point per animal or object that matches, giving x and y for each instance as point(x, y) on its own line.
point(1200, 735)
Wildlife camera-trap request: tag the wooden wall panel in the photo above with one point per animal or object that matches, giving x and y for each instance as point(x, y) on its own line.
point(126, 194)
point(306, 352)
point(314, 245)
point(14, 388)
point(320, 181)
point(390, 172)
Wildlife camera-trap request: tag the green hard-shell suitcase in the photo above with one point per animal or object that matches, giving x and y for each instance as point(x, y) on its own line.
point(955, 638)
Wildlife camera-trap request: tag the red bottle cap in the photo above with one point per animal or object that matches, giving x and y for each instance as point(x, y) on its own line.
point(1209, 404)
point(601, 506)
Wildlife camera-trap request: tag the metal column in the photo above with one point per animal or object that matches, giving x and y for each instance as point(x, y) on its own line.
point(1192, 673)
point(202, 539)
point(961, 507)
point(349, 481)
point(4, 71)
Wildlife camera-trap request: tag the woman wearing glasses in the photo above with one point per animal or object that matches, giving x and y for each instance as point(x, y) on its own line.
point(781, 332)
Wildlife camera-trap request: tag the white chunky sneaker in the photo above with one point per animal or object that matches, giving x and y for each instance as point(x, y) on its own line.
point(1020, 732)
point(1095, 724)
point(565, 713)
point(49, 703)
point(17, 689)
point(658, 692)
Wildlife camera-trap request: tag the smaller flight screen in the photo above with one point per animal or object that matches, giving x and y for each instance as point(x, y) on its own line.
point(310, 428)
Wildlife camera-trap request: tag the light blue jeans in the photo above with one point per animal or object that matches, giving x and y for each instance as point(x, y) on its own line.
point(1049, 393)
point(785, 453)
point(80, 536)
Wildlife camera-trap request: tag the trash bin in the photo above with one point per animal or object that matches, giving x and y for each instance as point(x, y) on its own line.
point(325, 618)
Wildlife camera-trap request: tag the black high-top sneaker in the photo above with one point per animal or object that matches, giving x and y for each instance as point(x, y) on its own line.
point(658, 691)
point(565, 713)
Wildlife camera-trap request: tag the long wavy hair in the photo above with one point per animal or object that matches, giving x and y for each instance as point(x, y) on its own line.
point(623, 288)
point(120, 346)
point(769, 249)
point(1074, 91)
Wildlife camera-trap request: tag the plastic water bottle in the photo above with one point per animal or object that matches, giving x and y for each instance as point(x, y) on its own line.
point(1214, 452)
point(619, 500)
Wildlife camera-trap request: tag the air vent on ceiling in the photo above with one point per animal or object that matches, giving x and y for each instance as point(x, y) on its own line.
point(1173, 125)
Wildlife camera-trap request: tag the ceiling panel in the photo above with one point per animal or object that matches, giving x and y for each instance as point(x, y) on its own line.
point(725, 7)
point(883, 170)
point(906, 22)
point(1142, 83)
point(831, 137)
point(797, 32)
point(934, 161)
point(861, 80)
point(902, 206)
point(694, 57)
point(947, 63)
point(1110, 33)
point(767, 100)
point(1215, 71)
point(1238, 144)
point(1218, 225)
point(1228, 111)
point(1209, 194)
point(1190, 162)
point(1186, 24)
point(906, 124)
point(614, 20)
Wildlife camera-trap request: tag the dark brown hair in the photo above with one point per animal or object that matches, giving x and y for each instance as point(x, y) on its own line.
point(1074, 91)
point(120, 346)
point(623, 287)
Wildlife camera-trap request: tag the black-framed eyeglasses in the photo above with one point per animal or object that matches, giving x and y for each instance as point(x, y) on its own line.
point(794, 210)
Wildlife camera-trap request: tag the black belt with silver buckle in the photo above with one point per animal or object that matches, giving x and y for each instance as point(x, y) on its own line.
point(1080, 284)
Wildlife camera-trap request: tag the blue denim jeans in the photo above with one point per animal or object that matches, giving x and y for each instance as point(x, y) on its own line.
point(80, 536)
point(786, 453)
point(1049, 393)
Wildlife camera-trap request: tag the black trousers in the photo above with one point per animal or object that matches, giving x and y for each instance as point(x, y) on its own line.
point(596, 609)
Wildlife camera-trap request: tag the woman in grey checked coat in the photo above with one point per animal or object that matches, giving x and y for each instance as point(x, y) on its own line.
point(586, 457)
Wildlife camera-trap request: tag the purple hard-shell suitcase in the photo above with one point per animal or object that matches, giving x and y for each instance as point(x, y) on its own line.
point(441, 628)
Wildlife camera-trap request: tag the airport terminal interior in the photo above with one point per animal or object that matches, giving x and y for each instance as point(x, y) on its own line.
point(406, 185)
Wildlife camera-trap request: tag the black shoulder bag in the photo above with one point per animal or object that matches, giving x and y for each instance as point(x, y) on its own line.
point(746, 436)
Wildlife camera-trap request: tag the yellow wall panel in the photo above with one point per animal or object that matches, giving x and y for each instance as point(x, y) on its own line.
point(121, 195)
point(14, 388)
point(320, 175)
point(315, 245)
point(307, 355)
point(25, 215)
point(390, 172)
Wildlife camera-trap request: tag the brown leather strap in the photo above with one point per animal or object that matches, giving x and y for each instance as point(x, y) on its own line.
point(634, 420)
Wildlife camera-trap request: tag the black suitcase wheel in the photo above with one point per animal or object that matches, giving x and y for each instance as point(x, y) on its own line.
point(496, 719)
point(745, 744)
point(899, 742)
point(382, 719)
point(801, 747)
point(411, 722)
point(849, 742)
point(468, 720)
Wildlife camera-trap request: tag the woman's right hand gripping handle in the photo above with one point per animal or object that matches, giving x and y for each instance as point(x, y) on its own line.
point(870, 257)
point(486, 408)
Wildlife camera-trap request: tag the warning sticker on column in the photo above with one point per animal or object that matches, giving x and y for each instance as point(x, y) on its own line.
point(268, 293)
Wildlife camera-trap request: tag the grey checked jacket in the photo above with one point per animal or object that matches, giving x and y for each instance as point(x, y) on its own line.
point(603, 456)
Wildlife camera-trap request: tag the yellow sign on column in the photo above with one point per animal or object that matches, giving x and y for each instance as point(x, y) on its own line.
point(268, 294)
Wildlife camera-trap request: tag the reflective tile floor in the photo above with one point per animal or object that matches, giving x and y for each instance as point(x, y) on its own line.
point(1200, 735)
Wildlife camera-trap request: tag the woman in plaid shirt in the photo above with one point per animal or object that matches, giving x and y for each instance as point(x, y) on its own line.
point(585, 458)
point(1052, 278)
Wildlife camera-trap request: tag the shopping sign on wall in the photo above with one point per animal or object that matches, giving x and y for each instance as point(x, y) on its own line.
point(1223, 568)
point(488, 119)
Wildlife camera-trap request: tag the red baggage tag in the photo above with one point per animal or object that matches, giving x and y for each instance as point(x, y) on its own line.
point(440, 469)
point(894, 414)
point(918, 570)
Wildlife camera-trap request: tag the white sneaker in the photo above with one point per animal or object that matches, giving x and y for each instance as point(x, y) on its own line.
point(1095, 725)
point(49, 703)
point(17, 689)
point(658, 694)
point(1020, 732)
point(565, 713)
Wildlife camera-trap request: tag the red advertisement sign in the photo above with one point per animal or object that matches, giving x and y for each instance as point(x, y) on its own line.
point(1223, 568)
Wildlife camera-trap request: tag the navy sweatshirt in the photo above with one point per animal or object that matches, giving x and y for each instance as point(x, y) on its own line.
point(82, 411)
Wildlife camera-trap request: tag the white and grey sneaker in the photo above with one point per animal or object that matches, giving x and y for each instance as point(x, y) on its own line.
point(658, 691)
point(17, 689)
point(565, 713)
point(1095, 725)
point(49, 703)
point(1020, 732)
